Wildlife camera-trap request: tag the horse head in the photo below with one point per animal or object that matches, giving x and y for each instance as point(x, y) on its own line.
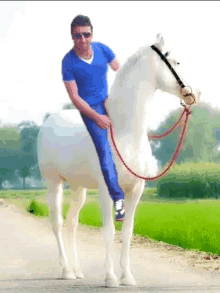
point(169, 79)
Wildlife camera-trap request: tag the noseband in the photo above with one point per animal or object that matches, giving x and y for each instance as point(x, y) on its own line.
point(163, 57)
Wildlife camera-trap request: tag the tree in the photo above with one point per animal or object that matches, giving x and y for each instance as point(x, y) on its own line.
point(24, 173)
point(68, 106)
point(4, 175)
point(28, 158)
point(46, 116)
point(26, 124)
point(9, 153)
point(9, 162)
point(28, 134)
point(65, 107)
point(200, 143)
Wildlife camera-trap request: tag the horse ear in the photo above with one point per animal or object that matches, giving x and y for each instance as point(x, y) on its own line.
point(159, 41)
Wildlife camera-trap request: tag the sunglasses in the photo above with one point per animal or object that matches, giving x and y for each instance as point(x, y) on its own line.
point(79, 36)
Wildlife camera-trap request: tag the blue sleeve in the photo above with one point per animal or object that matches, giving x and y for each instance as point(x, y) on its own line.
point(67, 70)
point(109, 54)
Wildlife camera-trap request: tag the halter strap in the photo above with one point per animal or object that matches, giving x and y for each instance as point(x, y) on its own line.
point(163, 57)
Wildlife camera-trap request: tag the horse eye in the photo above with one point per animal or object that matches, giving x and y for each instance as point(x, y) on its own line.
point(178, 63)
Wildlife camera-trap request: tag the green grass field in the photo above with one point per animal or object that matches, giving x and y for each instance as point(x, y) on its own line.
point(191, 224)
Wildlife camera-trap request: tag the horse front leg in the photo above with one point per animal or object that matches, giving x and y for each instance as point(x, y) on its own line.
point(131, 200)
point(108, 233)
point(78, 197)
point(55, 199)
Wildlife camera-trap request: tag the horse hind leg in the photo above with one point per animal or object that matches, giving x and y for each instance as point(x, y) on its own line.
point(55, 199)
point(78, 197)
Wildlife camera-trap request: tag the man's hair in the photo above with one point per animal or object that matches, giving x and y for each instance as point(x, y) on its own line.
point(81, 20)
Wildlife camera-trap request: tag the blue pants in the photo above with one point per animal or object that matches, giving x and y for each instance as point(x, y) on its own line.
point(103, 148)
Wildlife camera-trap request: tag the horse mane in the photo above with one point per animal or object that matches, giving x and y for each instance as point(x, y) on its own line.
point(129, 64)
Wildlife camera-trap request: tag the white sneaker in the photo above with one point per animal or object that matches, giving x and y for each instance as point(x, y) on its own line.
point(119, 210)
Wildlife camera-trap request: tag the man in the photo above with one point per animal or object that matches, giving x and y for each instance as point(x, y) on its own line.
point(84, 70)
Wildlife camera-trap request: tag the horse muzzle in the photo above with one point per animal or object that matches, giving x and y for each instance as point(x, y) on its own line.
point(189, 97)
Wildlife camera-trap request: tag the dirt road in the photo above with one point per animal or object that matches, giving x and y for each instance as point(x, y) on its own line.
point(29, 261)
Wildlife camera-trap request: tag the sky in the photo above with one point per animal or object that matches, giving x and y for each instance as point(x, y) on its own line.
point(35, 36)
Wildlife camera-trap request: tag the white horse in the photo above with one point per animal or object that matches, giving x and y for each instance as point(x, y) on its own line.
point(66, 152)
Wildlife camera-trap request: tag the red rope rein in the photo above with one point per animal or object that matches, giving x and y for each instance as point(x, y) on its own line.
point(185, 116)
point(163, 135)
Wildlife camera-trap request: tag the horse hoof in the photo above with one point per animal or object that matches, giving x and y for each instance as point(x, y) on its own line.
point(111, 282)
point(68, 274)
point(79, 274)
point(128, 280)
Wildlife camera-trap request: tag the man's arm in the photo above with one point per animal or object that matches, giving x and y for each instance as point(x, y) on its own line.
point(115, 65)
point(101, 120)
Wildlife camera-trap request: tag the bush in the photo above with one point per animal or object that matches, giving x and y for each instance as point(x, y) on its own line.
point(191, 180)
point(38, 209)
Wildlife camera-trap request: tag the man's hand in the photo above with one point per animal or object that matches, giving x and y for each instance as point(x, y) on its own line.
point(115, 65)
point(103, 121)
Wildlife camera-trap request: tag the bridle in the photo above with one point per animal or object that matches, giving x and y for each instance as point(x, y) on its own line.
point(164, 58)
point(184, 118)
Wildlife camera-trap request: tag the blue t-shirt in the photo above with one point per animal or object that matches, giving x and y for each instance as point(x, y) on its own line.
point(91, 79)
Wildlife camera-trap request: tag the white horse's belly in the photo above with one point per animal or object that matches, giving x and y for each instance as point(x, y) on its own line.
point(65, 148)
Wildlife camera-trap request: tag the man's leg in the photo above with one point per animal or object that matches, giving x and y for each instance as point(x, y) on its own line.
point(103, 148)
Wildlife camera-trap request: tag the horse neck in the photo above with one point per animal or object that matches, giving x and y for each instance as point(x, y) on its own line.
point(127, 104)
